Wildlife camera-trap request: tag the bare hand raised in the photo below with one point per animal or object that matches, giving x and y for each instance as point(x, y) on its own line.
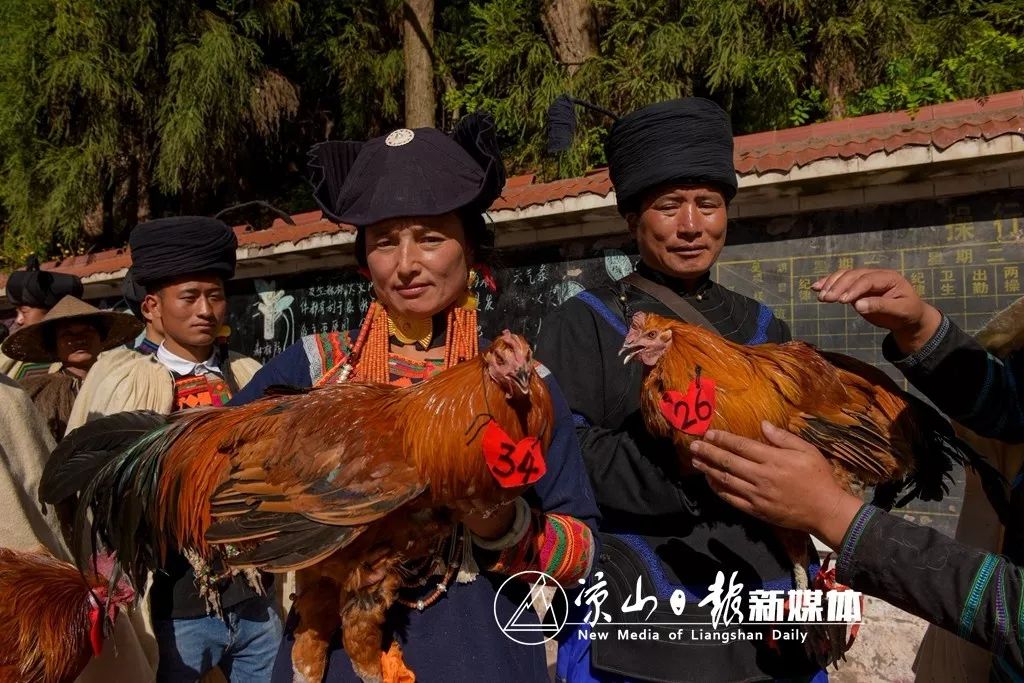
point(885, 299)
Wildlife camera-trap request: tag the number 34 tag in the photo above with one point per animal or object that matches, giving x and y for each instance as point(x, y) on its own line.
point(512, 464)
point(691, 412)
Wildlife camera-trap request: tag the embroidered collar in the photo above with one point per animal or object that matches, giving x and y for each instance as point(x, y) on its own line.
point(183, 367)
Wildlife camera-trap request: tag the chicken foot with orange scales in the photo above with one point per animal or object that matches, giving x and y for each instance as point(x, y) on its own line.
point(872, 432)
point(342, 484)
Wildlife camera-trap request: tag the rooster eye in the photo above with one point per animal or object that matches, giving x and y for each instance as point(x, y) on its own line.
point(650, 335)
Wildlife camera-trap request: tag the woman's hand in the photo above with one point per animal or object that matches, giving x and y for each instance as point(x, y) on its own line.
point(786, 482)
point(885, 299)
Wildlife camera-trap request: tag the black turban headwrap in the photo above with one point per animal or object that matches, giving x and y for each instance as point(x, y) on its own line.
point(169, 248)
point(41, 288)
point(418, 172)
point(687, 141)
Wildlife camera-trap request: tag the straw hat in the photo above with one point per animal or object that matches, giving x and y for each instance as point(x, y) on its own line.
point(28, 343)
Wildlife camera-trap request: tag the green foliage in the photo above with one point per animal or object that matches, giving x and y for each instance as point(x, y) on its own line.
point(114, 111)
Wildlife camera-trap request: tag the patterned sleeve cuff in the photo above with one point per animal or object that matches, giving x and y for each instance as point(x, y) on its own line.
point(853, 534)
point(558, 545)
point(902, 362)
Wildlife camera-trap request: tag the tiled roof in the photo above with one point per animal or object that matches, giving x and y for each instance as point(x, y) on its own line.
point(939, 126)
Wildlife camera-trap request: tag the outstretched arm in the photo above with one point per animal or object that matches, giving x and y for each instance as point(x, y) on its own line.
point(966, 382)
point(788, 482)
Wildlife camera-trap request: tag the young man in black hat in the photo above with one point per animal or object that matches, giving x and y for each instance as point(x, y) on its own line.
point(34, 292)
point(183, 263)
point(672, 167)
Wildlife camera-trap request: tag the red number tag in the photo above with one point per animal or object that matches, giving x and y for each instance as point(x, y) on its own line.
point(691, 412)
point(512, 464)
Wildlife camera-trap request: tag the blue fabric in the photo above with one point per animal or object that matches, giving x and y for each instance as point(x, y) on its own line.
point(607, 314)
point(244, 644)
point(457, 636)
point(764, 319)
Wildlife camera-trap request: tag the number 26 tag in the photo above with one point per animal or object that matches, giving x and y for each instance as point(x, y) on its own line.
point(691, 412)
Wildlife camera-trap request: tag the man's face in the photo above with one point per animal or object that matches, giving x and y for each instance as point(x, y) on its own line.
point(29, 315)
point(78, 344)
point(680, 229)
point(190, 311)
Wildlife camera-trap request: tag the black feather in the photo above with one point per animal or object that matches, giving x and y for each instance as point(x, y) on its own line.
point(85, 450)
point(286, 390)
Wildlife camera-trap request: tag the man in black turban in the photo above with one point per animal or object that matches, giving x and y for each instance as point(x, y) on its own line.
point(180, 267)
point(672, 167)
point(34, 291)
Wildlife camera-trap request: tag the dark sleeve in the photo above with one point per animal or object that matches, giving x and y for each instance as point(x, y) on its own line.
point(974, 594)
point(966, 382)
point(621, 461)
point(290, 367)
point(565, 488)
point(779, 330)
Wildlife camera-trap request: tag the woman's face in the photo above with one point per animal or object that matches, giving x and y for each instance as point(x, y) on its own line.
point(78, 344)
point(418, 265)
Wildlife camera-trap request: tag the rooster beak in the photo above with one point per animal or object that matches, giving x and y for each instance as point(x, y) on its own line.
point(522, 380)
point(630, 350)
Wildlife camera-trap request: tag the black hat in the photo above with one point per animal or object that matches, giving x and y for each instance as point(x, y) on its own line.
point(168, 248)
point(418, 172)
point(688, 140)
point(133, 294)
point(41, 288)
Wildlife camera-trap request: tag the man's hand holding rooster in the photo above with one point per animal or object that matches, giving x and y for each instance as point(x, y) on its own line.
point(786, 482)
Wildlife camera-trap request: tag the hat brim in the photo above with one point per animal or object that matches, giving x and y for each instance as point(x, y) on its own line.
point(28, 345)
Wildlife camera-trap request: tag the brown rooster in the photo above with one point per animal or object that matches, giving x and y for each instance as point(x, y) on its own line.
point(54, 617)
point(873, 433)
point(343, 484)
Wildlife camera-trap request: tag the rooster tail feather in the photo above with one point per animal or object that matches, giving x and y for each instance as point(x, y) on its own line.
point(85, 450)
point(277, 542)
point(122, 496)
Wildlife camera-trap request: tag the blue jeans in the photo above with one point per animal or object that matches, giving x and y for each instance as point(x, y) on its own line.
point(244, 643)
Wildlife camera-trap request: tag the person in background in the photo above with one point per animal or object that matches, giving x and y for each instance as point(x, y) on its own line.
point(787, 482)
point(72, 333)
point(183, 263)
point(671, 164)
point(135, 296)
point(33, 292)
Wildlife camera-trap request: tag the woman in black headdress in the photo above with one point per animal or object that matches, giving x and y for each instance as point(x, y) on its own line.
point(417, 198)
point(672, 167)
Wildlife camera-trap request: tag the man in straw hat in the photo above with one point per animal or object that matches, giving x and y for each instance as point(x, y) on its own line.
point(72, 334)
point(672, 167)
point(183, 264)
point(973, 588)
point(33, 292)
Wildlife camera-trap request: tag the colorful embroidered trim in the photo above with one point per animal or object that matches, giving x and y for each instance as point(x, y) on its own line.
point(325, 353)
point(978, 588)
point(849, 545)
point(32, 370)
point(558, 545)
point(200, 391)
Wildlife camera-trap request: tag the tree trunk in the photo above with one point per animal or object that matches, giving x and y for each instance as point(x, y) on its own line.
point(418, 46)
point(92, 221)
point(143, 179)
point(571, 29)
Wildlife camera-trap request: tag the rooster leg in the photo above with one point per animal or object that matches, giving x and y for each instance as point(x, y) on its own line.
point(362, 628)
point(316, 603)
